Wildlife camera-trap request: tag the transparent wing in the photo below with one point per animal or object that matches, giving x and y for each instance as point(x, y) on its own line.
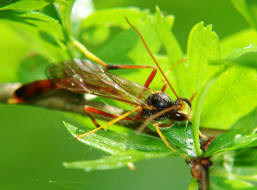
point(85, 77)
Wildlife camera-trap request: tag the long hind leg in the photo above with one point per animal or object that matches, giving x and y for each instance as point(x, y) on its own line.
point(90, 110)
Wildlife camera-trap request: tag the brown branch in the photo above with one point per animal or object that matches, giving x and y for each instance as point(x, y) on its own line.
point(200, 171)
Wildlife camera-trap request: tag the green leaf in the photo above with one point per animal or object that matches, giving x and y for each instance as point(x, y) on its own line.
point(219, 183)
point(114, 142)
point(203, 46)
point(182, 137)
point(96, 28)
point(248, 121)
point(238, 43)
point(23, 5)
point(116, 161)
point(239, 49)
point(125, 148)
point(246, 158)
point(235, 139)
point(248, 8)
point(247, 59)
point(239, 165)
point(65, 7)
point(32, 68)
point(114, 17)
point(231, 97)
point(193, 185)
point(42, 33)
point(173, 50)
point(10, 42)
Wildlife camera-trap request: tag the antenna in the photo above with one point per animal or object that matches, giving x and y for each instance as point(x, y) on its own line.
point(155, 61)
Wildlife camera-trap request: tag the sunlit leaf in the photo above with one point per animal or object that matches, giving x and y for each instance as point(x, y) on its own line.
point(44, 34)
point(116, 161)
point(231, 97)
point(193, 185)
point(235, 139)
point(114, 142)
point(181, 136)
point(124, 147)
point(203, 46)
point(238, 43)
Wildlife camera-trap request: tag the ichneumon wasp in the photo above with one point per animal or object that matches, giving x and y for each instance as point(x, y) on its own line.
point(83, 76)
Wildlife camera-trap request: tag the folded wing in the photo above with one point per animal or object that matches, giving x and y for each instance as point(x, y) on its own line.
point(82, 76)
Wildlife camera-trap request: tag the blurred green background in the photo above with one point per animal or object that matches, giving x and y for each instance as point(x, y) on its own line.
point(32, 155)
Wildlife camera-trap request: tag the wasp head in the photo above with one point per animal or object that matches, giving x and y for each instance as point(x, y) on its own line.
point(183, 111)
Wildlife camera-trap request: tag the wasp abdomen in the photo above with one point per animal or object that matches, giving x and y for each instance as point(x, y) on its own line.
point(33, 89)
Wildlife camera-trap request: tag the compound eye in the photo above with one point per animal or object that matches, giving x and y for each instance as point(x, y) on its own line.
point(178, 116)
point(183, 100)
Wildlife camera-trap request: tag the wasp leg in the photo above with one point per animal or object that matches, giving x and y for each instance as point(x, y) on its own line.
point(90, 109)
point(158, 131)
point(202, 135)
point(104, 126)
point(156, 126)
point(88, 54)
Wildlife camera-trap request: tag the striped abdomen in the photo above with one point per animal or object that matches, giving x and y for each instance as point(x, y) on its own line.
point(30, 90)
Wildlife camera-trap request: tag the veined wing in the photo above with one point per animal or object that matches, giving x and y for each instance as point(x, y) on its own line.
point(82, 76)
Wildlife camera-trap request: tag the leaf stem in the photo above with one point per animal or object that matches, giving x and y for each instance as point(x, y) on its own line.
point(198, 109)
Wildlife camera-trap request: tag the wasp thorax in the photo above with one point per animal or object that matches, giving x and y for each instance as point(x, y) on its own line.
point(160, 101)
